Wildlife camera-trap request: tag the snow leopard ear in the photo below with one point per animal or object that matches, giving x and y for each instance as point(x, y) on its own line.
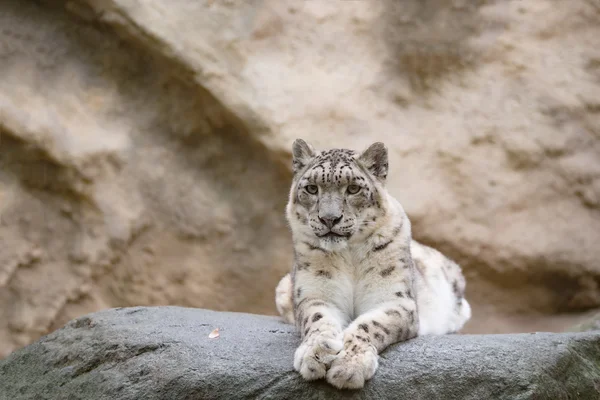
point(303, 153)
point(375, 159)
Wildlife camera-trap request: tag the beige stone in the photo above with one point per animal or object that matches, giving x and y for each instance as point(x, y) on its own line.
point(145, 147)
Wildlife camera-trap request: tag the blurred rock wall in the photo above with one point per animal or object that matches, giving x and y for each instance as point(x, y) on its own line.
point(144, 147)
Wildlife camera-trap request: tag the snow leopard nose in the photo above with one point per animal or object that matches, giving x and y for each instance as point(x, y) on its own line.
point(330, 220)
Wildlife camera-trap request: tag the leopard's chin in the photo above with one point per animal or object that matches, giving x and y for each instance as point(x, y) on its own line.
point(333, 242)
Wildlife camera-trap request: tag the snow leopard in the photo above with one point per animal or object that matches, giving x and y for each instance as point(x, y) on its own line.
point(359, 282)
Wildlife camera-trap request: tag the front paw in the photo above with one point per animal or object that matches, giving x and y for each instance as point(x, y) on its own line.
point(315, 355)
point(353, 366)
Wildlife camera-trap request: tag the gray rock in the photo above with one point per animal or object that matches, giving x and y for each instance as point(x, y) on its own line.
point(166, 353)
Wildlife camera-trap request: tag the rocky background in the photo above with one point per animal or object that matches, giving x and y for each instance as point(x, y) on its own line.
point(145, 147)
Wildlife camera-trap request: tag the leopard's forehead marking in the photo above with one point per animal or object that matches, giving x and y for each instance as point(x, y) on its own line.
point(335, 166)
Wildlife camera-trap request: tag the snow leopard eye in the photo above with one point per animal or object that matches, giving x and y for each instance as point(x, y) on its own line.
point(312, 189)
point(353, 189)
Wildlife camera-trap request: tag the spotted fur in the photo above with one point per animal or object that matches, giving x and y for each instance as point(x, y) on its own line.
point(359, 282)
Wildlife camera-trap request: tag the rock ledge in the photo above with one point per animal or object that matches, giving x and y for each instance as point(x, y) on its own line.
point(166, 353)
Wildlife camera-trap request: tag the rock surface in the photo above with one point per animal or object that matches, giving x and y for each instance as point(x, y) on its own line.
point(145, 147)
point(166, 353)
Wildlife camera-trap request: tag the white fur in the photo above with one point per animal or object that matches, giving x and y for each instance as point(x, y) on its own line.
point(437, 315)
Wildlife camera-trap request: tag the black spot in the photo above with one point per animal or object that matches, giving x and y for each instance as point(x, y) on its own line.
point(361, 338)
point(350, 377)
point(378, 336)
point(316, 248)
point(312, 369)
point(324, 273)
point(400, 294)
point(369, 270)
point(301, 302)
point(364, 327)
point(306, 331)
point(388, 271)
point(302, 266)
point(393, 312)
point(317, 317)
point(383, 328)
point(383, 246)
point(411, 316)
point(354, 347)
point(401, 333)
point(305, 321)
point(409, 294)
point(299, 292)
point(397, 229)
point(455, 289)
